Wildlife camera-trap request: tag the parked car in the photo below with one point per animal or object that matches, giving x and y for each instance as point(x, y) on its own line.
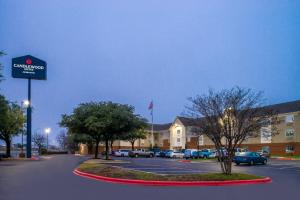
point(157, 154)
point(122, 152)
point(250, 158)
point(162, 154)
point(156, 151)
point(110, 153)
point(223, 155)
point(188, 153)
point(239, 150)
point(207, 153)
point(195, 154)
point(264, 153)
point(174, 154)
point(141, 153)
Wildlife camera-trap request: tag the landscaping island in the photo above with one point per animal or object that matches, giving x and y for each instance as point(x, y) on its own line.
point(110, 173)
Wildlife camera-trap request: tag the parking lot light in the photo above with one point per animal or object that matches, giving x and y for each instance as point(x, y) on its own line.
point(47, 131)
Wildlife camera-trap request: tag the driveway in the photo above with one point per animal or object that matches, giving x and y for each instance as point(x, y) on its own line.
point(53, 179)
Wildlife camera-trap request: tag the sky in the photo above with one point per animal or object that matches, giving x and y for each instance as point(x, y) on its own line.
point(135, 51)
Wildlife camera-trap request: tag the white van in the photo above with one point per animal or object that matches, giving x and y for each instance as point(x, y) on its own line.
point(189, 152)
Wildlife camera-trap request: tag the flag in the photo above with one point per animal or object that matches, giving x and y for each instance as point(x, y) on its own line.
point(150, 107)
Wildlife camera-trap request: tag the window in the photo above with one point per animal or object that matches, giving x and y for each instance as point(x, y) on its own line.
point(178, 140)
point(289, 149)
point(289, 119)
point(289, 132)
point(178, 132)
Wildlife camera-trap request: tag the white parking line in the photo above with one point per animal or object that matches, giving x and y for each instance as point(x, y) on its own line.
point(288, 167)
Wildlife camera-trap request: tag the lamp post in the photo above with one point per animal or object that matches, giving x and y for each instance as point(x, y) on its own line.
point(25, 103)
point(47, 131)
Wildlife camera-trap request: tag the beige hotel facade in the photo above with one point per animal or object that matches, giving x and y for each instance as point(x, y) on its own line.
point(179, 135)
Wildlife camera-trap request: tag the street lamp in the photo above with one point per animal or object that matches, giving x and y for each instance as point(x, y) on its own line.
point(47, 131)
point(24, 105)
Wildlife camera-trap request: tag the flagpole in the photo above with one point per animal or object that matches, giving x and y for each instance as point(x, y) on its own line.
point(152, 141)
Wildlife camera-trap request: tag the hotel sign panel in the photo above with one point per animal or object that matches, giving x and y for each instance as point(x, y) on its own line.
point(29, 67)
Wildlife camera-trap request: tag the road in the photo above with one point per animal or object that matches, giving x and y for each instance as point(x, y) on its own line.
point(53, 179)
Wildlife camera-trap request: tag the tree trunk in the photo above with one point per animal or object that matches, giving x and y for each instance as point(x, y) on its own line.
point(90, 148)
point(111, 145)
point(8, 146)
point(106, 149)
point(97, 149)
point(132, 145)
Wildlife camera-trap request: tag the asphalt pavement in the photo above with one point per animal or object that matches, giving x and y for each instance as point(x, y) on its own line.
point(52, 179)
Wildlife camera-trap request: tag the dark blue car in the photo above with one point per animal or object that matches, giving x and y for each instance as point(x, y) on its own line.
point(250, 158)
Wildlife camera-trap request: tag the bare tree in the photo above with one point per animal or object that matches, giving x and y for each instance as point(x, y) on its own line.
point(229, 117)
point(1, 66)
point(62, 139)
point(39, 140)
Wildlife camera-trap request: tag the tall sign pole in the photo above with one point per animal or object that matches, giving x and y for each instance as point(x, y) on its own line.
point(150, 107)
point(29, 67)
point(28, 138)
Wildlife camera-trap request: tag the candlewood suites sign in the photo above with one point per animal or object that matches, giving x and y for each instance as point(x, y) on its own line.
point(29, 67)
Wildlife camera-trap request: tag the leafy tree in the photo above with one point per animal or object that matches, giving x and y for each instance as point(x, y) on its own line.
point(39, 140)
point(73, 141)
point(102, 121)
point(12, 120)
point(135, 135)
point(62, 139)
point(137, 132)
point(229, 117)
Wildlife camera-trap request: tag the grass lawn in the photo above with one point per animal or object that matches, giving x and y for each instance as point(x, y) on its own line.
point(296, 157)
point(116, 172)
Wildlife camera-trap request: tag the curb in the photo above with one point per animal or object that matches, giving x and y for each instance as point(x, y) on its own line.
point(172, 183)
point(284, 158)
point(185, 161)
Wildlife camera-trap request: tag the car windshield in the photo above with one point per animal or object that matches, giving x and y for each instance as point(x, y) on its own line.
point(245, 154)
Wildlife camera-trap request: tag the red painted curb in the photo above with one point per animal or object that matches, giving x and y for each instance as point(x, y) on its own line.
point(172, 183)
point(185, 161)
point(284, 158)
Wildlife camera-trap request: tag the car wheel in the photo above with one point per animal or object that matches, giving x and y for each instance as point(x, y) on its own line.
point(122, 155)
point(237, 163)
point(251, 162)
point(264, 162)
point(174, 156)
point(150, 155)
point(136, 155)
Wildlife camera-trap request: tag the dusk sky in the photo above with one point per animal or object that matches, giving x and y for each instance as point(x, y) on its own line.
point(132, 51)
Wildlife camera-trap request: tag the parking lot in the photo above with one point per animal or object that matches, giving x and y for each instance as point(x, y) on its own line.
point(175, 166)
